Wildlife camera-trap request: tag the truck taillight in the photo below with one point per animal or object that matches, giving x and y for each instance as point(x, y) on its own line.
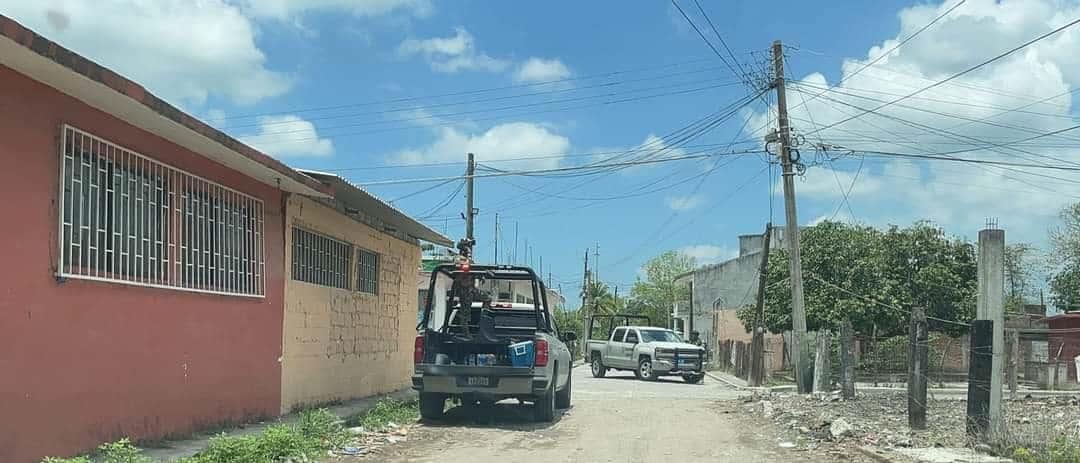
point(418, 349)
point(541, 352)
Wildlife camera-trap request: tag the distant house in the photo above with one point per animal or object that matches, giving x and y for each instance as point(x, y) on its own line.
point(717, 291)
point(1064, 344)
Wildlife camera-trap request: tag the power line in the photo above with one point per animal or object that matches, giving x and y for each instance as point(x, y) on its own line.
point(504, 108)
point(482, 100)
point(890, 50)
point(705, 39)
point(742, 72)
point(501, 117)
point(957, 75)
point(464, 92)
point(559, 169)
point(421, 191)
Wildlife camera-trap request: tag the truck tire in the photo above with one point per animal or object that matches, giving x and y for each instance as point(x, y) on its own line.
point(544, 406)
point(432, 405)
point(693, 378)
point(598, 368)
point(562, 398)
point(645, 370)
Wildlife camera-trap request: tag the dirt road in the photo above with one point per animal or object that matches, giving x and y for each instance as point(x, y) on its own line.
point(614, 419)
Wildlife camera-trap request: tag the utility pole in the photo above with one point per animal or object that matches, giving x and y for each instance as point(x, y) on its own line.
point(757, 343)
point(469, 211)
point(515, 258)
point(798, 309)
point(496, 238)
point(596, 262)
point(541, 273)
point(585, 284)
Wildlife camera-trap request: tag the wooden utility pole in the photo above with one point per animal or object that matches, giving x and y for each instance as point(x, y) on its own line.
point(847, 360)
point(469, 211)
point(918, 351)
point(496, 238)
point(1013, 343)
point(980, 366)
point(757, 343)
point(798, 309)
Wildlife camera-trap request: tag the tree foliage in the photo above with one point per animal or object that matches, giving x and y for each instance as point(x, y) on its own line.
point(1065, 255)
point(654, 295)
point(846, 268)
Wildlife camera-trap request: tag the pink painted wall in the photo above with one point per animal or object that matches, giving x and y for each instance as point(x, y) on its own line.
point(84, 362)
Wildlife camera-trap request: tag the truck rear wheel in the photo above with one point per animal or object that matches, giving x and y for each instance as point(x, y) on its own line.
point(693, 378)
point(598, 368)
point(432, 405)
point(544, 407)
point(562, 398)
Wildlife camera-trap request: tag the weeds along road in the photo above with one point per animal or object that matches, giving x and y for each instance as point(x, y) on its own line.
point(613, 419)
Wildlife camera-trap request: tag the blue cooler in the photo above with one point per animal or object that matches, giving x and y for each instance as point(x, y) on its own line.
point(522, 354)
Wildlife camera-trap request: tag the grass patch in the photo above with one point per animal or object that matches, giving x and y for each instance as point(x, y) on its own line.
point(315, 432)
point(386, 411)
point(121, 451)
point(1059, 450)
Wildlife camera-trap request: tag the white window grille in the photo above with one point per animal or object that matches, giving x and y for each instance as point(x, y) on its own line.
point(320, 259)
point(368, 281)
point(130, 219)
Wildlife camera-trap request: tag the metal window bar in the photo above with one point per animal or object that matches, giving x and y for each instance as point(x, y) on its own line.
point(367, 272)
point(126, 218)
point(320, 259)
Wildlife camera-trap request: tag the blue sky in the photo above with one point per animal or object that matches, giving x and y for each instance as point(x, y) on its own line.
point(353, 87)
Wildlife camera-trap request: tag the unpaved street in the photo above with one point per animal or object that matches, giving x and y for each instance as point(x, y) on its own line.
point(614, 419)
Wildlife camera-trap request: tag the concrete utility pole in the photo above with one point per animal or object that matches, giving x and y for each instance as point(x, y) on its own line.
point(515, 260)
point(798, 309)
point(496, 238)
point(469, 211)
point(989, 305)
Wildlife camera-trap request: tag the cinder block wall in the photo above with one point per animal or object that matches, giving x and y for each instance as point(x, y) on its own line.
point(341, 344)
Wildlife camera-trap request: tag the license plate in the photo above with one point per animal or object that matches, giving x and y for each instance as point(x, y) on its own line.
point(478, 381)
point(686, 364)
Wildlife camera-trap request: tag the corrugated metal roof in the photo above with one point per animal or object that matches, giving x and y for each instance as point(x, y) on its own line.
point(355, 197)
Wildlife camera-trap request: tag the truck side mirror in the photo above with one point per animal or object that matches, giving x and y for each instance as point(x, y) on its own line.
point(569, 336)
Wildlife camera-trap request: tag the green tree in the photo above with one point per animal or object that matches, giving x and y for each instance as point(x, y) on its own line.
point(600, 299)
point(1065, 256)
point(872, 277)
point(1021, 268)
point(654, 295)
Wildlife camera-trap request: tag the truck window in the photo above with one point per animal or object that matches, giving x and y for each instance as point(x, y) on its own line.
point(618, 335)
point(631, 337)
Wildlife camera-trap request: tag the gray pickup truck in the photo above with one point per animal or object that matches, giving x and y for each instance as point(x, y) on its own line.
point(476, 362)
point(649, 352)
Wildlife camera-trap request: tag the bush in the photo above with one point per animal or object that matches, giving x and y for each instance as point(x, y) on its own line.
point(325, 426)
point(281, 441)
point(1059, 450)
point(226, 449)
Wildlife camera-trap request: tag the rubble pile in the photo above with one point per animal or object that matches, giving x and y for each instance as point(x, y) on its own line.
point(879, 418)
point(366, 442)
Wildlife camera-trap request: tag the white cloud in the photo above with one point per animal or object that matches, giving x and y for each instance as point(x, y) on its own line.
point(285, 9)
point(452, 54)
point(685, 203)
point(183, 51)
point(541, 70)
point(288, 136)
point(503, 141)
point(706, 254)
point(957, 196)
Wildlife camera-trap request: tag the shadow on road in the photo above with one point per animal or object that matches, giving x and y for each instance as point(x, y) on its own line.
point(508, 415)
point(662, 380)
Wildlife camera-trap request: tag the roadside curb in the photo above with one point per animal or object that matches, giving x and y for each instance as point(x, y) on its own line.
point(871, 453)
point(174, 450)
point(741, 387)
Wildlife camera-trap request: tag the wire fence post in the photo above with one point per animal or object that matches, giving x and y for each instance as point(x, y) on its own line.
point(847, 360)
point(918, 355)
point(1012, 342)
point(981, 364)
point(822, 369)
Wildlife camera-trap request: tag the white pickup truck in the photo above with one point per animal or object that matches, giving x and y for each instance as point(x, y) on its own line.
point(649, 352)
